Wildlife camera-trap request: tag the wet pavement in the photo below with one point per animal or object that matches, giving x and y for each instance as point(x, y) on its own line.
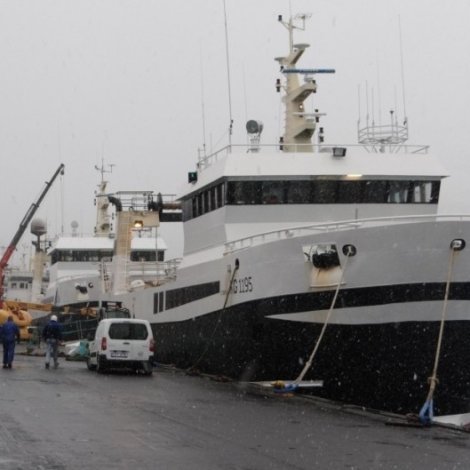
point(71, 418)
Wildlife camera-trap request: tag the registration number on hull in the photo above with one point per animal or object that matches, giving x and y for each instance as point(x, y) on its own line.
point(242, 285)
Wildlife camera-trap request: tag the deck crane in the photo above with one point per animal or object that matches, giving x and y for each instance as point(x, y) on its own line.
point(21, 229)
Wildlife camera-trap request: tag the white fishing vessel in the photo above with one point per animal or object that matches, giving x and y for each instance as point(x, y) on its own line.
point(78, 266)
point(305, 260)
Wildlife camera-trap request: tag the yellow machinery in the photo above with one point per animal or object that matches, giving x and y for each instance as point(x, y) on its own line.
point(21, 316)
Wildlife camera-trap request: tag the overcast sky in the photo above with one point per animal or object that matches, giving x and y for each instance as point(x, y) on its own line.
point(127, 81)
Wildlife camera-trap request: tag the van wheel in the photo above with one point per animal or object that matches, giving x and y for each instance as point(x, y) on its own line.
point(147, 368)
point(90, 365)
point(100, 367)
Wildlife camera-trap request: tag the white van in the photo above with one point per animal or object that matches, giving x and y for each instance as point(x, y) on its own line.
point(122, 342)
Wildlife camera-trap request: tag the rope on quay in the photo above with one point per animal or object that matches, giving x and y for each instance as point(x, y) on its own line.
point(192, 370)
point(281, 386)
point(426, 414)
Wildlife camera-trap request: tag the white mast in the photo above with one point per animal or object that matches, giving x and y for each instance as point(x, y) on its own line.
point(300, 125)
point(103, 220)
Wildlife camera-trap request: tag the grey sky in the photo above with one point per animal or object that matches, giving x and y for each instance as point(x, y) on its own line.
point(121, 80)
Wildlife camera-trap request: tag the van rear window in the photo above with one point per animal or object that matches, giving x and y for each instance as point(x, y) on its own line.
point(137, 331)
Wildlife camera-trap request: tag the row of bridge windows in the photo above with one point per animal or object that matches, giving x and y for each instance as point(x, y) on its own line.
point(104, 255)
point(311, 192)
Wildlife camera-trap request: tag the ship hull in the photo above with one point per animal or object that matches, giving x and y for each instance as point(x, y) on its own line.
point(381, 338)
point(381, 366)
point(255, 311)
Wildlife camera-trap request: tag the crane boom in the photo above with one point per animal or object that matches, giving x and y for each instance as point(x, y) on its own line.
point(22, 227)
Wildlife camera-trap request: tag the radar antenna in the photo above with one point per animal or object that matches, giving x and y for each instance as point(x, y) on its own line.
point(230, 128)
point(302, 17)
point(379, 137)
point(108, 168)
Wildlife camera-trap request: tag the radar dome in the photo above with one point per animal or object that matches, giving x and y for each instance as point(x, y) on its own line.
point(38, 227)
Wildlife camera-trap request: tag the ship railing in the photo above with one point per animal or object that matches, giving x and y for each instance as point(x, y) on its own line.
point(78, 277)
point(380, 147)
point(206, 161)
point(324, 227)
point(392, 133)
point(149, 270)
point(140, 200)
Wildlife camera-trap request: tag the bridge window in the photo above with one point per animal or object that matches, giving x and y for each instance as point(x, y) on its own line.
point(81, 255)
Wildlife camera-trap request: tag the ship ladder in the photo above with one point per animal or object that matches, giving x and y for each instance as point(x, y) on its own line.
point(105, 278)
point(426, 413)
point(192, 369)
point(281, 386)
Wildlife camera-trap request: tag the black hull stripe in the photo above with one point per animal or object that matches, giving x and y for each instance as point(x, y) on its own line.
point(358, 297)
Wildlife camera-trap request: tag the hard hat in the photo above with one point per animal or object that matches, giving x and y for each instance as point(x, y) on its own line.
point(54, 318)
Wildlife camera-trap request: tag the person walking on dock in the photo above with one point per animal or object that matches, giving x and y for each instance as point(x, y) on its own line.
point(52, 335)
point(10, 334)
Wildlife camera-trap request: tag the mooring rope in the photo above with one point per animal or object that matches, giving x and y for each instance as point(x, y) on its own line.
point(426, 413)
point(325, 324)
point(227, 295)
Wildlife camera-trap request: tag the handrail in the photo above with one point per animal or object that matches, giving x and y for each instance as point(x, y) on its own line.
point(162, 269)
point(323, 227)
point(208, 160)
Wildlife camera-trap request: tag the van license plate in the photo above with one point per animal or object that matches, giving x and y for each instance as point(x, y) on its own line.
point(119, 354)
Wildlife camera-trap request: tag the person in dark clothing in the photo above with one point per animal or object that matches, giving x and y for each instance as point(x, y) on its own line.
point(52, 335)
point(10, 334)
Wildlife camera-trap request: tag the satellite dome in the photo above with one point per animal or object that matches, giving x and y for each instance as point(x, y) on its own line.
point(38, 227)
